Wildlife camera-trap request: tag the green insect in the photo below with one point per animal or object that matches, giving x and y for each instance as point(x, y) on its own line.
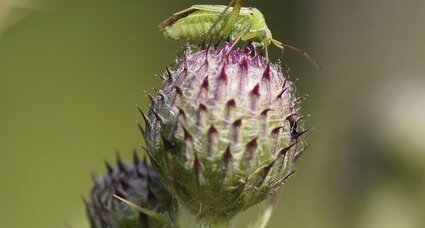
point(237, 22)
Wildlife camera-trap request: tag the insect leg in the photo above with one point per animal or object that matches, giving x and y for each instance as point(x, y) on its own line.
point(267, 52)
point(252, 35)
point(233, 18)
point(210, 32)
point(241, 35)
point(296, 49)
point(264, 43)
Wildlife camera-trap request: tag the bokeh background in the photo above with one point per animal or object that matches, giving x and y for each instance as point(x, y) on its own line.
point(72, 72)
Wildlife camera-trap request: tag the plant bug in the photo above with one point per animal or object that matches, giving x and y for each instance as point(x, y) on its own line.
point(237, 22)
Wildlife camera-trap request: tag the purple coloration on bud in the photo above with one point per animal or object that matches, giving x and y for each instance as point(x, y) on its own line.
point(235, 144)
point(136, 182)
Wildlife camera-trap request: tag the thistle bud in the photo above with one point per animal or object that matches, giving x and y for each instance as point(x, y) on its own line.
point(136, 182)
point(223, 131)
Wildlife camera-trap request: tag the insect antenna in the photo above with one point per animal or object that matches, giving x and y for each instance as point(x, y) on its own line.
point(296, 49)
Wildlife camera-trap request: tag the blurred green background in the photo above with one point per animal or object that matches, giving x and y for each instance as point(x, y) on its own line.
point(72, 72)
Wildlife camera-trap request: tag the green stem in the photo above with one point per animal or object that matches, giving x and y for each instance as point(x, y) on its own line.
point(267, 214)
point(220, 224)
point(187, 219)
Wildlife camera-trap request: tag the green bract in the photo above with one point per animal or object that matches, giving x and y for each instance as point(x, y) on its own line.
point(223, 132)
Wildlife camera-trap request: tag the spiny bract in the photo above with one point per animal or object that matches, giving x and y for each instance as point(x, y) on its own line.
point(136, 182)
point(223, 132)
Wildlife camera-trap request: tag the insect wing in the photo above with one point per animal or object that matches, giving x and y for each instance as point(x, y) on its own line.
point(211, 8)
point(175, 17)
point(220, 8)
point(184, 13)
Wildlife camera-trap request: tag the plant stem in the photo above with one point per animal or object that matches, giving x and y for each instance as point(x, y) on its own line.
point(265, 217)
point(187, 219)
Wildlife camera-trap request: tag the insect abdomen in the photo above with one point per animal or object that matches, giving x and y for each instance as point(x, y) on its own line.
point(193, 27)
point(197, 25)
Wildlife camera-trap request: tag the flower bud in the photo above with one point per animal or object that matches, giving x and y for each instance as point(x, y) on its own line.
point(223, 131)
point(136, 182)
